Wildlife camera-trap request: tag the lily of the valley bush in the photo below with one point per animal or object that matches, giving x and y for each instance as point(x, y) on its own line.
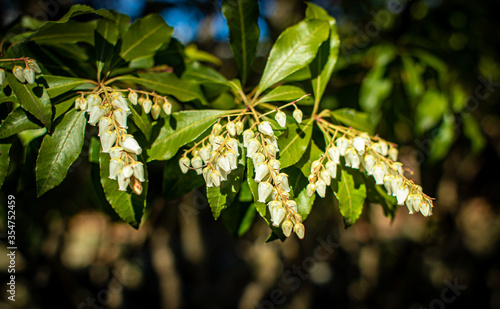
point(151, 100)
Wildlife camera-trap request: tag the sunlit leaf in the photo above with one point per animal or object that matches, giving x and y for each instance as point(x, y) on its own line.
point(17, 121)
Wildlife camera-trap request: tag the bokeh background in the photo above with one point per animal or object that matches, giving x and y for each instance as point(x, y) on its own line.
point(428, 74)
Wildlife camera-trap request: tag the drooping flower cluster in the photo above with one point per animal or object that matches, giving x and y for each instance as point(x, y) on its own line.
point(109, 110)
point(378, 158)
point(23, 75)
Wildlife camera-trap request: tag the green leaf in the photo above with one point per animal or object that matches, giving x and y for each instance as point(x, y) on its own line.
point(350, 190)
point(430, 110)
point(193, 53)
point(287, 93)
point(34, 99)
point(17, 121)
point(311, 154)
point(167, 83)
point(244, 32)
point(472, 130)
point(221, 197)
point(378, 195)
point(412, 77)
point(129, 206)
point(144, 37)
point(181, 128)
point(61, 84)
point(67, 33)
point(176, 186)
point(64, 104)
point(7, 95)
point(105, 36)
point(79, 9)
point(375, 89)
point(304, 203)
point(293, 142)
point(59, 151)
point(141, 120)
point(239, 217)
point(326, 58)
point(4, 161)
point(352, 118)
point(294, 49)
point(203, 74)
point(444, 139)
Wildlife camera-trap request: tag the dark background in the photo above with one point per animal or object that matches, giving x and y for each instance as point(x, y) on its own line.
point(72, 255)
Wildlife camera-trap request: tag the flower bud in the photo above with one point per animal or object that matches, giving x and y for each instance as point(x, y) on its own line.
point(167, 107)
point(383, 148)
point(184, 164)
point(311, 188)
point(115, 152)
point(312, 178)
point(93, 100)
point(300, 230)
point(410, 200)
point(258, 158)
point(393, 154)
point(398, 166)
point(297, 218)
point(2, 76)
point(331, 168)
point(108, 139)
point(327, 178)
point(278, 216)
point(355, 160)
point(139, 170)
point(271, 150)
point(132, 97)
point(137, 187)
point(233, 159)
point(261, 171)
point(33, 65)
point(123, 182)
point(321, 187)
point(281, 118)
point(388, 183)
point(205, 153)
point(96, 113)
point(140, 101)
point(129, 144)
point(223, 163)
point(417, 200)
point(287, 227)
point(253, 147)
point(146, 105)
point(29, 75)
point(121, 117)
point(369, 162)
point(292, 205)
point(120, 103)
point(231, 128)
point(334, 154)
point(247, 136)
point(79, 104)
point(155, 111)
point(197, 163)
point(264, 190)
point(239, 127)
point(275, 165)
point(265, 128)
point(395, 183)
point(402, 194)
point(378, 174)
point(297, 115)
point(232, 144)
point(282, 180)
point(359, 144)
point(216, 129)
point(342, 143)
point(127, 171)
point(215, 176)
point(217, 142)
point(315, 166)
point(18, 73)
point(115, 165)
point(425, 208)
point(105, 124)
point(272, 140)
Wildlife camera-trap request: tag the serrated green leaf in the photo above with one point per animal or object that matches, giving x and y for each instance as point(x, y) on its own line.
point(293, 142)
point(17, 121)
point(244, 32)
point(294, 49)
point(221, 197)
point(59, 151)
point(167, 83)
point(105, 37)
point(326, 58)
point(350, 190)
point(67, 33)
point(4, 161)
point(180, 129)
point(144, 37)
point(287, 93)
point(58, 85)
point(34, 99)
point(353, 118)
point(141, 120)
point(129, 206)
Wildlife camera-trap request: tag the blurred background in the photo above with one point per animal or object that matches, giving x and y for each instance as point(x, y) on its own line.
point(427, 73)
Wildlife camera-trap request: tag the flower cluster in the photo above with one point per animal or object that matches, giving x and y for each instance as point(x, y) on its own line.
point(23, 75)
point(109, 110)
point(378, 158)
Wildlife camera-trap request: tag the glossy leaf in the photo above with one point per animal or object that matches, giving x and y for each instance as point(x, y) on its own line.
point(242, 16)
point(141, 120)
point(17, 121)
point(293, 142)
point(286, 93)
point(59, 151)
point(58, 85)
point(350, 191)
point(34, 99)
point(4, 161)
point(180, 129)
point(144, 37)
point(7, 95)
point(378, 195)
point(129, 206)
point(294, 49)
point(175, 186)
point(311, 154)
point(352, 118)
point(106, 36)
point(203, 74)
point(67, 33)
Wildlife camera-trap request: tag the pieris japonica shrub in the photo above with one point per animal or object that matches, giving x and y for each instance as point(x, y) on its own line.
point(266, 145)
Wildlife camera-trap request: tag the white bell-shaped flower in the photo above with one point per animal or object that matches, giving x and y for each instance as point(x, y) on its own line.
point(184, 164)
point(417, 200)
point(376, 147)
point(29, 75)
point(321, 187)
point(355, 161)
point(215, 176)
point(287, 227)
point(297, 115)
point(121, 117)
point(167, 107)
point(342, 144)
point(104, 125)
point(239, 127)
point(315, 166)
point(395, 183)
point(138, 170)
point(18, 73)
point(265, 128)
point(349, 154)
point(310, 189)
point(264, 190)
point(146, 105)
point(108, 139)
point(334, 154)
point(326, 177)
point(273, 141)
point(96, 113)
point(247, 136)
point(2, 76)
point(258, 158)
point(271, 150)
point(123, 182)
point(155, 111)
point(93, 100)
point(233, 159)
point(32, 64)
point(216, 129)
point(282, 180)
point(218, 141)
point(388, 183)
point(410, 201)
point(359, 144)
point(369, 164)
point(398, 166)
point(115, 152)
point(331, 167)
point(132, 97)
point(291, 204)
point(115, 165)
point(205, 153)
point(223, 163)
point(232, 143)
point(275, 166)
point(223, 174)
point(272, 206)
point(425, 208)
point(402, 194)
point(299, 230)
point(120, 104)
point(261, 171)
point(253, 147)
point(378, 174)
point(127, 171)
point(280, 118)
point(383, 148)
point(197, 163)
point(393, 154)
point(206, 175)
point(279, 215)
point(129, 144)
point(231, 128)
